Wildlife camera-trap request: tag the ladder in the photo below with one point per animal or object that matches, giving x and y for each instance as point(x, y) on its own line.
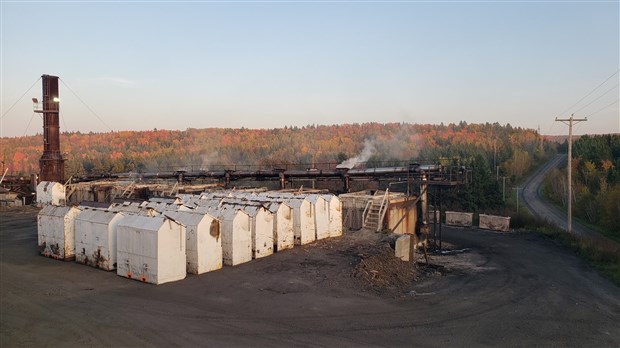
point(375, 210)
point(128, 191)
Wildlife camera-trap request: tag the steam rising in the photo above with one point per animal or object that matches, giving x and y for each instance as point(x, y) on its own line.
point(367, 152)
point(208, 160)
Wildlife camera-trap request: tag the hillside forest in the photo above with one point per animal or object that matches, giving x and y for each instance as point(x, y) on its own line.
point(490, 150)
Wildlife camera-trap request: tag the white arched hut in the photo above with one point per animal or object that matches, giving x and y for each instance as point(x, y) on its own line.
point(151, 249)
point(261, 224)
point(335, 215)
point(283, 233)
point(95, 238)
point(321, 215)
point(50, 192)
point(203, 240)
point(56, 231)
point(282, 214)
point(304, 228)
point(235, 227)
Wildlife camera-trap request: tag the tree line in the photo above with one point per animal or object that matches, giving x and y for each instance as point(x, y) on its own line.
point(491, 150)
point(596, 181)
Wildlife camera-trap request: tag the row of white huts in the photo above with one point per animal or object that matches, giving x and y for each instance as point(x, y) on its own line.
point(161, 240)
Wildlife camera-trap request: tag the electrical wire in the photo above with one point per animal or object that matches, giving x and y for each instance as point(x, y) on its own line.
point(549, 127)
point(599, 97)
point(29, 122)
point(603, 108)
point(63, 122)
point(88, 107)
point(20, 98)
point(587, 95)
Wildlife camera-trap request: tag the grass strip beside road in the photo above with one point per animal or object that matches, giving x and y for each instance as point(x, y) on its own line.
point(604, 256)
point(609, 234)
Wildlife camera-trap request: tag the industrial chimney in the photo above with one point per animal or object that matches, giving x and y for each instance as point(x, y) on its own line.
point(52, 163)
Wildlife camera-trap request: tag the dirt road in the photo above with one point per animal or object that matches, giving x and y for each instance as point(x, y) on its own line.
point(509, 289)
point(537, 206)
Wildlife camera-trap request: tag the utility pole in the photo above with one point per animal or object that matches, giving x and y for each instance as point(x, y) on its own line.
point(570, 121)
point(517, 190)
point(504, 188)
point(540, 142)
point(494, 153)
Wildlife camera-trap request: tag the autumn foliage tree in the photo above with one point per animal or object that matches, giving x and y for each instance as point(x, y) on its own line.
point(596, 181)
point(488, 148)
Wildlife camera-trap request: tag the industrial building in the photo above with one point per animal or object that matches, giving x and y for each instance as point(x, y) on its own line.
point(157, 227)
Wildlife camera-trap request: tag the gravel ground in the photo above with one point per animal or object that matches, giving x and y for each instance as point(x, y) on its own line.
point(507, 289)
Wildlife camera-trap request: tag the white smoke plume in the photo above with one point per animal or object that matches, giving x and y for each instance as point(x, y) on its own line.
point(208, 160)
point(368, 150)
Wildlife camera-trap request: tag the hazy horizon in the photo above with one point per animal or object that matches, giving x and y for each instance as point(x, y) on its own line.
point(40, 132)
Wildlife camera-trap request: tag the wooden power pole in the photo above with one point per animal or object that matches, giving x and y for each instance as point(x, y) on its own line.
point(570, 121)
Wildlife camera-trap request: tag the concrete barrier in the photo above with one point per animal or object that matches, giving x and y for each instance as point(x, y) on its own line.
point(403, 248)
point(455, 218)
point(431, 219)
point(495, 223)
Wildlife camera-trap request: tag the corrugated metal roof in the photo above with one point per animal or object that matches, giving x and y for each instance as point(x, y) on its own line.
point(226, 213)
point(274, 206)
point(187, 218)
point(54, 210)
point(126, 207)
point(99, 216)
point(312, 198)
point(294, 203)
point(165, 200)
point(329, 197)
point(141, 222)
point(212, 195)
point(185, 196)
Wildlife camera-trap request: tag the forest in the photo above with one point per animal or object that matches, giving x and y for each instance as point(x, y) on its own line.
point(596, 181)
point(490, 150)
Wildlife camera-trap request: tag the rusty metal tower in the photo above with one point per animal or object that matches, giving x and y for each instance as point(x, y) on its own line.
point(52, 163)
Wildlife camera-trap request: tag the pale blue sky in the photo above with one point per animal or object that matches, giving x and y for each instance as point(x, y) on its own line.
point(145, 65)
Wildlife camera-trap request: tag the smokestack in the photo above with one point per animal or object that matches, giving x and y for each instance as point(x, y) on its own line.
point(52, 163)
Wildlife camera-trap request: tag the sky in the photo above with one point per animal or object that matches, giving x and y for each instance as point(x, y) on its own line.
point(142, 65)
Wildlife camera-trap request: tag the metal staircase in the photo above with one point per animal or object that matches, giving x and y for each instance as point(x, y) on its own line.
point(375, 210)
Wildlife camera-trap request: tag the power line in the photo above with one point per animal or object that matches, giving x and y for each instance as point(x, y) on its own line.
point(88, 107)
point(603, 108)
point(592, 91)
point(20, 98)
point(64, 122)
point(550, 127)
point(599, 97)
point(29, 122)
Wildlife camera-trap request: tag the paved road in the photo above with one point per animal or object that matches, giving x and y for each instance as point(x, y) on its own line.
point(533, 201)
